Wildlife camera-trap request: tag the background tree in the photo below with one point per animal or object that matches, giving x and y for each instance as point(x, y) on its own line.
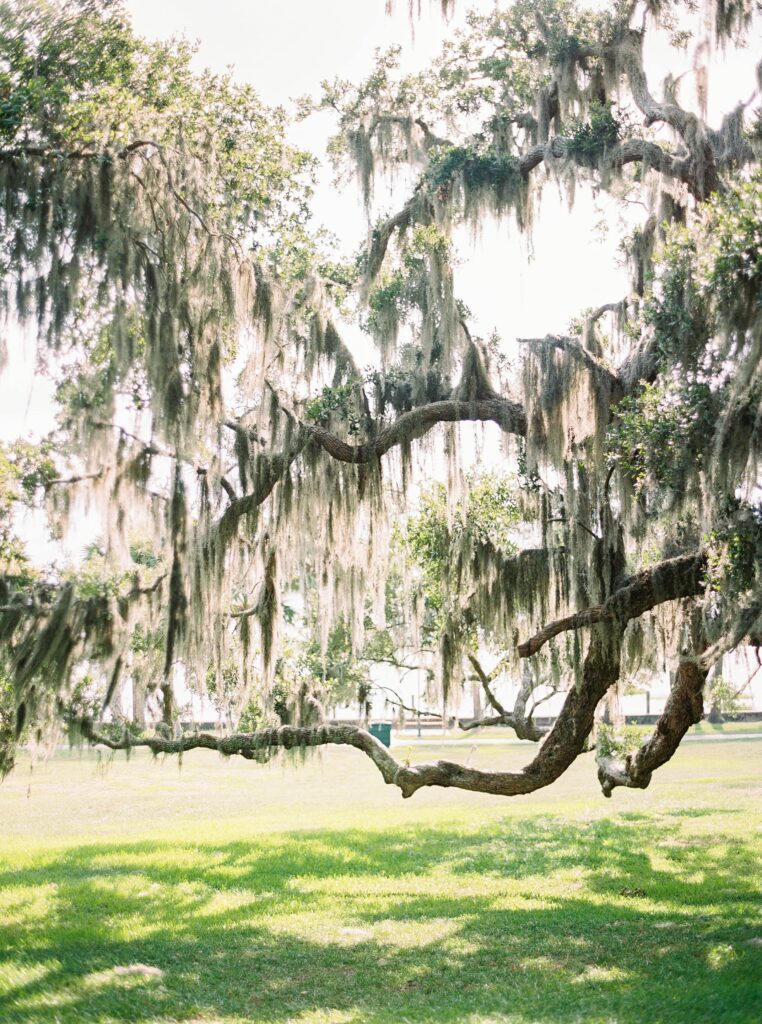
point(155, 229)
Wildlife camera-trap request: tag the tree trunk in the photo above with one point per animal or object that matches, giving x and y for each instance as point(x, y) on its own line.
point(476, 692)
point(715, 715)
point(167, 705)
point(138, 704)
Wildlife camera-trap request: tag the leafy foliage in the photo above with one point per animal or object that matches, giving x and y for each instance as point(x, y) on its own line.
point(591, 139)
point(660, 435)
point(613, 741)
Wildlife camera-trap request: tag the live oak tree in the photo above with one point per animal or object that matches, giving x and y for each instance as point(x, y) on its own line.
point(155, 238)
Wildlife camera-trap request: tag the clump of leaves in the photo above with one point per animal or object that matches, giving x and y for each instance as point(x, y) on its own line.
point(611, 741)
point(412, 286)
point(730, 260)
point(724, 697)
point(490, 515)
point(8, 726)
point(676, 308)
point(592, 138)
point(479, 168)
point(734, 560)
point(339, 402)
point(661, 434)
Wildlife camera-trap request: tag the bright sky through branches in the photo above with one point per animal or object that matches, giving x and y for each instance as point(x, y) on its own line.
point(285, 50)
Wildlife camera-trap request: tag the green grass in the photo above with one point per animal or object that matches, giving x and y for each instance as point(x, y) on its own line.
point(312, 894)
point(709, 729)
point(703, 728)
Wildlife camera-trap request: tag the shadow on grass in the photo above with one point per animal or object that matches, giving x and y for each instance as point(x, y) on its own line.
point(520, 921)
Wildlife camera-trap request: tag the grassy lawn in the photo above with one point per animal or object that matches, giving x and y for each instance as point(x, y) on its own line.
point(230, 892)
point(708, 729)
point(502, 732)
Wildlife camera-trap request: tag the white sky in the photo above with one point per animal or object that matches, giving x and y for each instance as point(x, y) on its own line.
point(286, 48)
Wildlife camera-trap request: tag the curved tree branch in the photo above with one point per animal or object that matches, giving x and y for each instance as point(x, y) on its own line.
point(704, 176)
point(668, 581)
point(414, 424)
point(684, 708)
point(564, 743)
point(418, 209)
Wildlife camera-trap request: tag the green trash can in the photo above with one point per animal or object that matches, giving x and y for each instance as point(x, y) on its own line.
point(382, 732)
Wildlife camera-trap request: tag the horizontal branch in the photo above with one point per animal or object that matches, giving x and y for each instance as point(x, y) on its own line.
point(270, 469)
point(398, 702)
point(668, 581)
point(63, 481)
point(414, 424)
point(418, 208)
point(51, 153)
point(629, 151)
point(571, 347)
point(565, 742)
point(408, 778)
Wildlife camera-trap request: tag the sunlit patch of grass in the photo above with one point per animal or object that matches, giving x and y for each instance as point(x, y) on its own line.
point(456, 910)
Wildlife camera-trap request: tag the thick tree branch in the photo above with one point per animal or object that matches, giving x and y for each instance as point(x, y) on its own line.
point(608, 307)
point(62, 481)
point(629, 50)
point(414, 424)
point(684, 708)
point(668, 581)
point(629, 151)
point(564, 743)
point(466, 724)
point(704, 178)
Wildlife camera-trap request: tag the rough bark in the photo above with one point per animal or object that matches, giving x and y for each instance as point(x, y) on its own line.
point(684, 708)
point(564, 743)
point(414, 424)
point(668, 581)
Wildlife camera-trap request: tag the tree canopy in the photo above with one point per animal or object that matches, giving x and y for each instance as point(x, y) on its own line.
point(212, 419)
